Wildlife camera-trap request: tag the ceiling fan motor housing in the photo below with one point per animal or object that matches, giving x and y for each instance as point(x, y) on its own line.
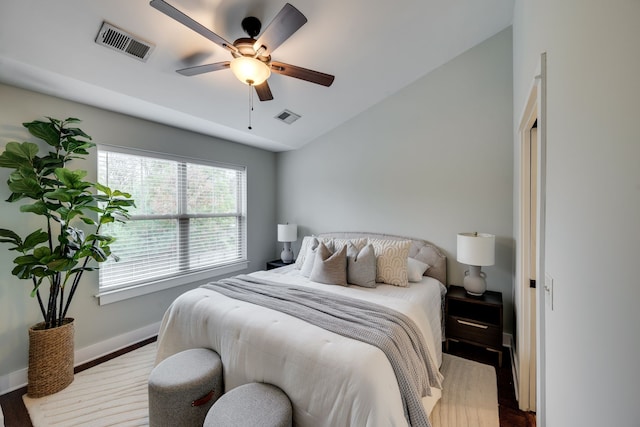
point(245, 47)
point(251, 25)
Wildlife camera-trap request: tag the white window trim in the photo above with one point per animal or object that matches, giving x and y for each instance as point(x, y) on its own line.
point(166, 156)
point(115, 295)
point(196, 277)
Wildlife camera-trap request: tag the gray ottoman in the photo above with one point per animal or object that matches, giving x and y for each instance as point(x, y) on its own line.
point(251, 405)
point(183, 387)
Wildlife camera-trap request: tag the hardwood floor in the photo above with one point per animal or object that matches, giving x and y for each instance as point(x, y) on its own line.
point(16, 415)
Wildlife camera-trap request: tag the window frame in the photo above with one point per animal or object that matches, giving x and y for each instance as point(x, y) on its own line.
point(110, 294)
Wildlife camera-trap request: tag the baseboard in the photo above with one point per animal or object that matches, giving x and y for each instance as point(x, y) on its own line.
point(17, 379)
point(514, 365)
point(507, 340)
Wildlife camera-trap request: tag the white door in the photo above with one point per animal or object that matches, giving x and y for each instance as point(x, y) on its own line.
point(533, 244)
point(530, 249)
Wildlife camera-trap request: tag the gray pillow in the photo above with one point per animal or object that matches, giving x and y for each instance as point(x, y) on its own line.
point(330, 268)
point(309, 257)
point(361, 266)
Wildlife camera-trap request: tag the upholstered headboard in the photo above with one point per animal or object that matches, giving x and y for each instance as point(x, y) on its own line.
point(420, 250)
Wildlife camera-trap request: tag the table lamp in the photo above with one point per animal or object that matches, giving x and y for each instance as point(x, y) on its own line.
point(287, 233)
point(476, 250)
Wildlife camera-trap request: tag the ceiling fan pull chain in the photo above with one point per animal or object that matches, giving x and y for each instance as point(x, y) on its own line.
point(250, 104)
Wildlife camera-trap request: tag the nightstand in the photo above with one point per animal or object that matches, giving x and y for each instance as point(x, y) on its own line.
point(277, 263)
point(474, 320)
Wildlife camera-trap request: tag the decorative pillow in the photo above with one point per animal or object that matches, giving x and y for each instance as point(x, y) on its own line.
point(329, 267)
point(361, 265)
point(303, 251)
point(416, 269)
point(309, 258)
point(337, 244)
point(391, 261)
point(306, 241)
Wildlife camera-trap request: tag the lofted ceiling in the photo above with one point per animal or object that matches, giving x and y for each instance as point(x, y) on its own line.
point(374, 48)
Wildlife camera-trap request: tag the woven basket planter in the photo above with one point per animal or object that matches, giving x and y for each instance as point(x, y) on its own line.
point(50, 358)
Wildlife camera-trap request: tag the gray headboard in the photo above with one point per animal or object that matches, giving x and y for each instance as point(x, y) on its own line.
point(420, 250)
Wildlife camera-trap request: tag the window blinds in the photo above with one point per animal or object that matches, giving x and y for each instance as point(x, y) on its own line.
point(188, 217)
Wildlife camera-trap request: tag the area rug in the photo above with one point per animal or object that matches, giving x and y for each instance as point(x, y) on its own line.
point(469, 395)
point(114, 393)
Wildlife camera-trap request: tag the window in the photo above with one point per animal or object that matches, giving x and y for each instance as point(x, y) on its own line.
point(189, 219)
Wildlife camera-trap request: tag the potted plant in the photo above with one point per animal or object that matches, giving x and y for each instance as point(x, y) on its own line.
point(53, 258)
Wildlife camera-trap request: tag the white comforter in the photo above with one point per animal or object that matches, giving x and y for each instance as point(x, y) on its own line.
point(331, 380)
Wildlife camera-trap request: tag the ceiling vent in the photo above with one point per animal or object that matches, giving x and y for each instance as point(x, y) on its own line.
point(117, 39)
point(288, 117)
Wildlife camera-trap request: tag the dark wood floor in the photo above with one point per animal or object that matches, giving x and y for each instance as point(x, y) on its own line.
point(15, 413)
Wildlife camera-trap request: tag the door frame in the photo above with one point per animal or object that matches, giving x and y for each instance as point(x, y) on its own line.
point(530, 340)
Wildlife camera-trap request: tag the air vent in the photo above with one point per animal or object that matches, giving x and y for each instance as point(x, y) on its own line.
point(288, 117)
point(115, 38)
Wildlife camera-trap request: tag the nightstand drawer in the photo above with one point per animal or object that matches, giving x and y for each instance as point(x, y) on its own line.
point(473, 331)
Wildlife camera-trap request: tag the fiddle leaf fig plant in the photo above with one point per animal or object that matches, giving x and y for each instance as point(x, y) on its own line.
point(73, 212)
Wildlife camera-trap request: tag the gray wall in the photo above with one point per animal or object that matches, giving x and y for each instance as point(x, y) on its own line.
point(430, 161)
point(593, 203)
point(96, 323)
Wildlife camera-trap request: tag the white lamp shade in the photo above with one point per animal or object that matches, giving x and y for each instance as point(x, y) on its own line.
point(476, 248)
point(287, 232)
point(250, 70)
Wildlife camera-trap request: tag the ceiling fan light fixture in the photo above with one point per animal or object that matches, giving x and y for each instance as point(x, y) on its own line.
point(250, 71)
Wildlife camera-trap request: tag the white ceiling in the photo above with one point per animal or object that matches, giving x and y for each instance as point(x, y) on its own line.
point(374, 48)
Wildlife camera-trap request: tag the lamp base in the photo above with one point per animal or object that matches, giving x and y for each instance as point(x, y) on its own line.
point(287, 254)
point(474, 281)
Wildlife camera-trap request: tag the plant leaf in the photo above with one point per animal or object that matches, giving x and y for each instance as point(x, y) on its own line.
point(44, 130)
point(34, 239)
point(38, 208)
point(71, 179)
point(106, 219)
point(10, 235)
point(61, 264)
point(87, 220)
point(18, 154)
point(25, 260)
point(41, 252)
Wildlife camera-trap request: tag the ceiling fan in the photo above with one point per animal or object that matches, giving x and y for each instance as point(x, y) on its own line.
point(251, 62)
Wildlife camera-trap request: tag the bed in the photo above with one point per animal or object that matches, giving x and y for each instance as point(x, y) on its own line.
point(331, 380)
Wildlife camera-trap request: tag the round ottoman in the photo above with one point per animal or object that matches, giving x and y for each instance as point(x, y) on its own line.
point(251, 405)
point(183, 387)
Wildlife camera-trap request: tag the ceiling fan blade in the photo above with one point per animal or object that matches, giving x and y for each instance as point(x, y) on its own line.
point(264, 92)
point(201, 69)
point(174, 13)
point(302, 73)
point(286, 22)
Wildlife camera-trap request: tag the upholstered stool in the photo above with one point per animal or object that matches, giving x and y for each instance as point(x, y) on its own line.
point(183, 387)
point(251, 405)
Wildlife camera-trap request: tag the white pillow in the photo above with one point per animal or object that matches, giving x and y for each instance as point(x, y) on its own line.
point(391, 261)
point(303, 251)
point(416, 269)
point(309, 258)
point(306, 241)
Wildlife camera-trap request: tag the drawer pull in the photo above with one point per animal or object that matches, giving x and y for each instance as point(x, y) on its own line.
point(475, 325)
